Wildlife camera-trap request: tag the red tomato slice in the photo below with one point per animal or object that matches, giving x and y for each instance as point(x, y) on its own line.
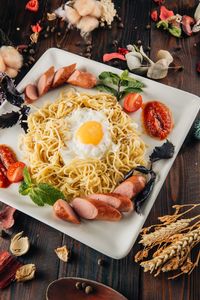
point(15, 171)
point(157, 119)
point(132, 102)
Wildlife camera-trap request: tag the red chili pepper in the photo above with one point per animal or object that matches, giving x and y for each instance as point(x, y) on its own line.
point(33, 5)
point(114, 55)
point(36, 28)
point(154, 15)
point(165, 13)
point(198, 67)
point(123, 51)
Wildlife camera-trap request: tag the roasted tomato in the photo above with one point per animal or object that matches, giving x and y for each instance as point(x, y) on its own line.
point(7, 156)
point(132, 102)
point(157, 119)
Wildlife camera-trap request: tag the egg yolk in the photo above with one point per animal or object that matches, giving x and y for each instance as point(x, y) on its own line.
point(90, 132)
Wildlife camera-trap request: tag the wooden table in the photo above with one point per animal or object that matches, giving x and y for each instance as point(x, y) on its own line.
point(181, 186)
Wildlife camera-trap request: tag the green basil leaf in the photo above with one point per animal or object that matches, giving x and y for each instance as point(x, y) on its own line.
point(129, 90)
point(109, 78)
point(24, 188)
point(124, 75)
point(137, 84)
point(48, 194)
point(106, 89)
point(27, 177)
point(35, 196)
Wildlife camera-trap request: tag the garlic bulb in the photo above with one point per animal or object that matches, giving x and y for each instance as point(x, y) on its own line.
point(158, 70)
point(11, 57)
point(166, 55)
point(19, 245)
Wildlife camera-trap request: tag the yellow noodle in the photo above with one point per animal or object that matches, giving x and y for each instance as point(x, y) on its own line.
point(48, 133)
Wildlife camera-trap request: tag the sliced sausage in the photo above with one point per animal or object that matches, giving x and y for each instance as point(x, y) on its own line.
point(7, 156)
point(83, 79)
point(132, 186)
point(31, 93)
point(64, 211)
point(92, 209)
point(122, 203)
point(45, 81)
point(62, 75)
point(6, 217)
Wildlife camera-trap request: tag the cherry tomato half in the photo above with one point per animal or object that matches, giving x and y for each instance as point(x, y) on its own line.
point(132, 102)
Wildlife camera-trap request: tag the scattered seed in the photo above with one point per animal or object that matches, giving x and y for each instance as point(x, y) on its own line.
point(148, 48)
point(102, 24)
point(31, 51)
point(119, 18)
point(135, 27)
point(18, 29)
point(48, 29)
point(25, 50)
point(195, 45)
point(148, 26)
point(139, 42)
point(78, 285)
point(53, 29)
point(46, 35)
point(110, 27)
point(58, 45)
point(83, 285)
point(115, 42)
point(58, 33)
point(88, 289)
point(88, 43)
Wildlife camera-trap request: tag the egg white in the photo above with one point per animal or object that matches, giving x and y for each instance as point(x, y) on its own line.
point(75, 148)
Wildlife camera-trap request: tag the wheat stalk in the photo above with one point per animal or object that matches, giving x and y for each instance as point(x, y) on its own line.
point(163, 233)
point(176, 248)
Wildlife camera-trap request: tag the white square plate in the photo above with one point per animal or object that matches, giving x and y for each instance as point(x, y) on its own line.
point(113, 239)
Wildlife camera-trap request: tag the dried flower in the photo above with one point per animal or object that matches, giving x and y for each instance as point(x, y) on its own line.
point(25, 273)
point(165, 13)
point(154, 15)
point(63, 253)
point(19, 245)
point(51, 17)
point(36, 28)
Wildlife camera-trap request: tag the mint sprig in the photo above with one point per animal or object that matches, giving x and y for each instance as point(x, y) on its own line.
point(117, 85)
point(41, 193)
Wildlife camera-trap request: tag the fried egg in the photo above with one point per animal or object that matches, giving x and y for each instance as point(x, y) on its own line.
point(89, 135)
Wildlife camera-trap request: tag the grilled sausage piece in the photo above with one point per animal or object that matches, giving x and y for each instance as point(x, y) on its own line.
point(122, 203)
point(83, 79)
point(92, 209)
point(62, 75)
point(132, 186)
point(64, 211)
point(45, 81)
point(7, 156)
point(31, 93)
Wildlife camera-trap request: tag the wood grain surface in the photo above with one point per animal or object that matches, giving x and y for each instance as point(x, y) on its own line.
point(181, 186)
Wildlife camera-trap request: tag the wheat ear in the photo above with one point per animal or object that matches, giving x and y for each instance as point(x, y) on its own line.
point(176, 248)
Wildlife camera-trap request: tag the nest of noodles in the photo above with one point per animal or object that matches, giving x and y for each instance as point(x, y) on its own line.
point(48, 132)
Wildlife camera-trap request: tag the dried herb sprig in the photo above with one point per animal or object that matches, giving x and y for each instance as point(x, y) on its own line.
point(9, 92)
point(172, 242)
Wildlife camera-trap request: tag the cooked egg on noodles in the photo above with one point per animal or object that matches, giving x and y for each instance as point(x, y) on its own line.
point(90, 135)
point(82, 143)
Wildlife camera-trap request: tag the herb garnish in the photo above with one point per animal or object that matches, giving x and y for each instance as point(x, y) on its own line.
point(41, 193)
point(117, 85)
point(9, 92)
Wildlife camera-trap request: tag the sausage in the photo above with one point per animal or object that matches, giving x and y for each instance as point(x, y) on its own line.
point(31, 93)
point(64, 211)
point(82, 79)
point(6, 217)
point(7, 156)
point(131, 187)
point(62, 75)
point(122, 203)
point(92, 209)
point(45, 81)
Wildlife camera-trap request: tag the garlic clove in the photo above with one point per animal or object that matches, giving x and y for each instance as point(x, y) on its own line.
point(63, 253)
point(134, 60)
point(97, 11)
point(84, 7)
point(12, 58)
point(19, 245)
point(2, 65)
point(197, 13)
point(87, 24)
point(12, 73)
point(158, 70)
point(25, 273)
point(72, 15)
point(166, 55)
point(196, 27)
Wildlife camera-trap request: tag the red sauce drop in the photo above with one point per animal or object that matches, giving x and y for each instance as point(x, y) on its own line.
point(157, 119)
